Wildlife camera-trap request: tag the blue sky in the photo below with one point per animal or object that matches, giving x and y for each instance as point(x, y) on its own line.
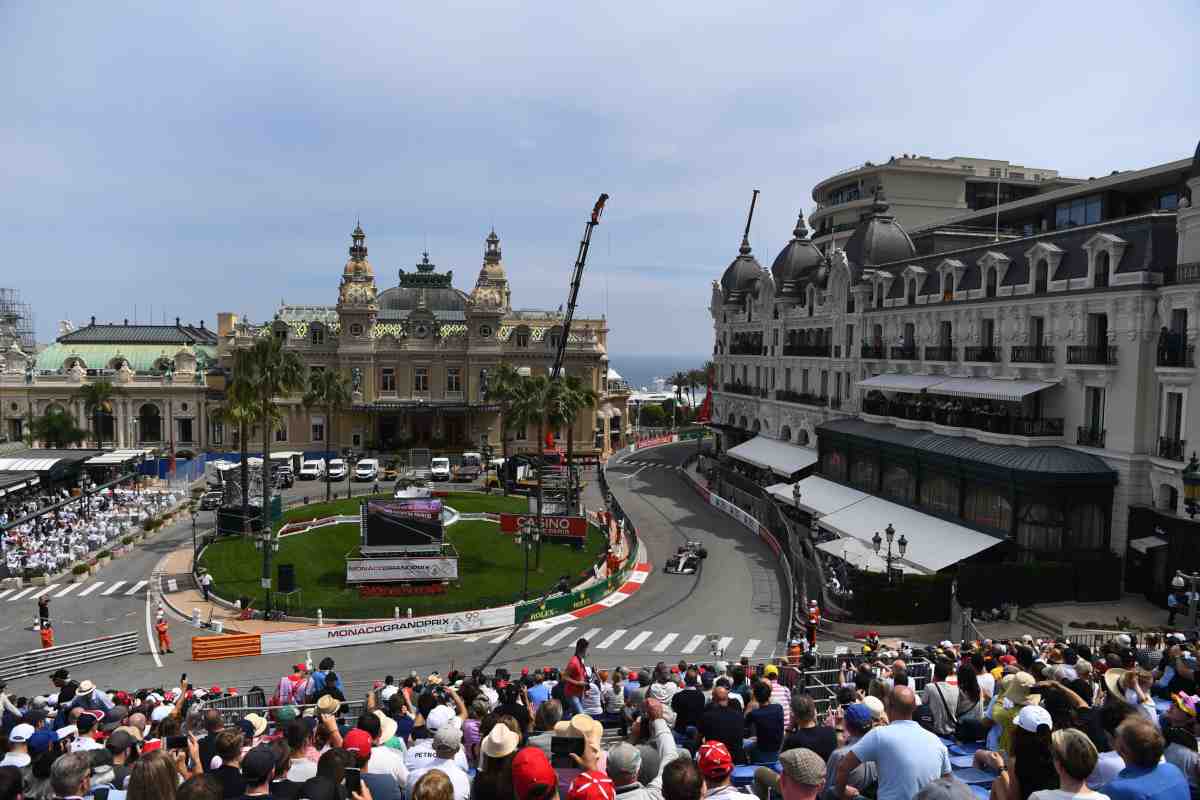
point(203, 157)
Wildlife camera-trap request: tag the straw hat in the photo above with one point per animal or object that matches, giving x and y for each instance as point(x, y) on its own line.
point(387, 726)
point(1017, 690)
point(501, 741)
point(1112, 681)
point(583, 726)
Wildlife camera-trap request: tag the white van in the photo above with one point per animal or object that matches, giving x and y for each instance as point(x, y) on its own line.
point(440, 468)
point(367, 469)
point(471, 467)
point(312, 470)
point(336, 470)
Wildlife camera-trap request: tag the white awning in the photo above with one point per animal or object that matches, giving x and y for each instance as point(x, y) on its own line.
point(779, 457)
point(524, 372)
point(605, 411)
point(27, 464)
point(117, 457)
point(857, 554)
point(1147, 543)
point(819, 495)
point(933, 543)
point(989, 388)
point(896, 382)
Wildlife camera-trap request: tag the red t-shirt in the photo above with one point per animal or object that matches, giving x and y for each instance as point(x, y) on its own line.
point(576, 672)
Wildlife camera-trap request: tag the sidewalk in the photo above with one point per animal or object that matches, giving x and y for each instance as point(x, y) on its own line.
point(179, 562)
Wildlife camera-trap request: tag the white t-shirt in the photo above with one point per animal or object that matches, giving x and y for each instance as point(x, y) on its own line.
point(421, 755)
point(458, 778)
point(301, 770)
point(386, 761)
point(1059, 794)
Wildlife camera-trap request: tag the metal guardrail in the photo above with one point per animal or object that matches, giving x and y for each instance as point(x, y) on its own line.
point(42, 662)
point(233, 712)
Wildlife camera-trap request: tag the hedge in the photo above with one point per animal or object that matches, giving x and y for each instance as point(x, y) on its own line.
point(79, 569)
point(915, 600)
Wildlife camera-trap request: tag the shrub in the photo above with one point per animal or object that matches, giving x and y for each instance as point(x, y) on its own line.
point(104, 554)
point(126, 540)
point(79, 569)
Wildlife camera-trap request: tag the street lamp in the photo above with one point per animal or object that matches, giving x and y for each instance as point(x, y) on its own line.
point(1191, 487)
point(796, 494)
point(195, 512)
point(528, 537)
point(349, 470)
point(902, 543)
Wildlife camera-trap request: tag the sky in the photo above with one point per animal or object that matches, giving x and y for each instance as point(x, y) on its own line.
point(184, 159)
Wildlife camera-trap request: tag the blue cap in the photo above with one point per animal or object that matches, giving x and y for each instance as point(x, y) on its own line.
point(858, 715)
point(41, 741)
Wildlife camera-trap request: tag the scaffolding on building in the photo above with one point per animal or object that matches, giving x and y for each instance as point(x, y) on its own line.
point(16, 319)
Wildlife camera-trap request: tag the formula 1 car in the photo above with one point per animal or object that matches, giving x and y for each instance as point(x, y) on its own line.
point(686, 559)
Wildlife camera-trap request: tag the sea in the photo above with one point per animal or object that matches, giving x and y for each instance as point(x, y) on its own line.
point(640, 369)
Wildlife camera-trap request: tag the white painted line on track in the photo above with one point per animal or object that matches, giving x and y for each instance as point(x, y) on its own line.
point(70, 588)
point(150, 637)
point(725, 641)
point(692, 644)
point(750, 647)
point(612, 637)
point(5, 592)
point(135, 587)
point(665, 642)
point(500, 638)
point(588, 634)
point(45, 590)
point(562, 634)
point(91, 588)
point(112, 588)
point(636, 641)
point(532, 635)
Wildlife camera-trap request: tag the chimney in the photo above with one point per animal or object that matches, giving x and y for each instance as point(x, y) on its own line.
point(127, 320)
point(202, 325)
point(177, 322)
point(226, 322)
point(93, 319)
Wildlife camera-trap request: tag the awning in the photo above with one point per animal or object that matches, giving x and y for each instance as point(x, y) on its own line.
point(605, 411)
point(896, 382)
point(1147, 543)
point(989, 388)
point(857, 554)
point(27, 464)
point(933, 543)
point(779, 457)
point(819, 495)
point(117, 457)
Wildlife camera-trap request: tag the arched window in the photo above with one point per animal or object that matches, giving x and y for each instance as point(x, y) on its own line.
point(989, 507)
point(912, 292)
point(149, 423)
point(879, 295)
point(785, 433)
point(1087, 530)
point(803, 299)
point(863, 472)
point(732, 420)
point(1168, 497)
point(743, 424)
point(55, 408)
point(1103, 264)
point(757, 426)
point(898, 483)
point(1041, 277)
point(948, 288)
point(990, 286)
point(833, 465)
point(940, 493)
point(1040, 529)
point(849, 302)
point(802, 438)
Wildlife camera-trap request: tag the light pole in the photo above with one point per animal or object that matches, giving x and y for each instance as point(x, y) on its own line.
point(528, 537)
point(878, 542)
point(1192, 579)
point(349, 470)
point(195, 512)
point(1191, 487)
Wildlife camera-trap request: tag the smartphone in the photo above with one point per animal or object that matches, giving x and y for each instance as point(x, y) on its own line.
point(353, 780)
point(177, 743)
point(561, 748)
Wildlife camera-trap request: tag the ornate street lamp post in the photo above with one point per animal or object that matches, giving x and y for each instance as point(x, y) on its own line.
point(890, 557)
point(528, 536)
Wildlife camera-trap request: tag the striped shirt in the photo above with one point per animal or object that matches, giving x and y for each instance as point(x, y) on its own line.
point(783, 696)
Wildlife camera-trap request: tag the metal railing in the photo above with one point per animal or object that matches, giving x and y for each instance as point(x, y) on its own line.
point(905, 353)
point(1172, 449)
point(1092, 354)
point(741, 349)
point(1090, 437)
point(941, 353)
point(982, 353)
point(45, 661)
point(1177, 356)
point(806, 398)
point(1031, 354)
point(992, 423)
point(1184, 273)
point(812, 350)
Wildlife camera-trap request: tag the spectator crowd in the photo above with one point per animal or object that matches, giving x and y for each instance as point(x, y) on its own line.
point(1011, 720)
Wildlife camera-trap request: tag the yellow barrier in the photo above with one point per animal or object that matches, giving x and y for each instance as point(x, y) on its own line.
point(232, 645)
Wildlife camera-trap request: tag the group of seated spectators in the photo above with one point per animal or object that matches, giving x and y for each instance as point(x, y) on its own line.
point(1012, 720)
point(52, 541)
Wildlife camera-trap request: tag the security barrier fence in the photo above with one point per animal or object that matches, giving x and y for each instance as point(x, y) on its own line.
point(68, 656)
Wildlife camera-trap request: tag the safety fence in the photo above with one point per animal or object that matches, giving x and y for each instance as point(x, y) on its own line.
point(230, 645)
point(1093, 638)
point(68, 656)
point(231, 714)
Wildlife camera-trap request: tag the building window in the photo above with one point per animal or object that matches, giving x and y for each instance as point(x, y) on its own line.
point(804, 381)
point(185, 430)
point(218, 433)
point(387, 380)
point(281, 432)
point(522, 338)
point(1041, 277)
point(1040, 528)
point(1083, 211)
point(945, 333)
point(356, 329)
point(1017, 176)
point(420, 379)
point(989, 289)
point(1087, 529)
point(948, 288)
point(844, 194)
point(940, 493)
point(1168, 201)
point(1103, 265)
point(1093, 408)
point(833, 465)
point(988, 507)
point(912, 292)
point(453, 379)
point(862, 473)
point(281, 334)
point(555, 338)
point(995, 172)
point(318, 431)
point(318, 335)
point(356, 440)
point(898, 483)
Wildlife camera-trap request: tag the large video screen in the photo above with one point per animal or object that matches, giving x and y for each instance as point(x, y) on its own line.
point(404, 525)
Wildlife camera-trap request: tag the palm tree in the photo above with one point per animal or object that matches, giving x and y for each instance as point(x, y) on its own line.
point(570, 396)
point(680, 380)
point(56, 428)
point(240, 411)
point(530, 405)
point(273, 371)
point(330, 390)
point(97, 399)
point(501, 389)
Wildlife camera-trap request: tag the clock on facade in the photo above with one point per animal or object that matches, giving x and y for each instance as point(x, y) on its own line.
point(356, 329)
point(421, 331)
point(485, 331)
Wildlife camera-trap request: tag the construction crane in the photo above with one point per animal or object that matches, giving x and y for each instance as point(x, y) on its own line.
point(576, 279)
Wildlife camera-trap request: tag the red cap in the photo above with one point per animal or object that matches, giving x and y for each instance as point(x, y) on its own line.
point(715, 761)
point(524, 671)
point(592, 785)
point(232, 690)
point(530, 768)
point(300, 667)
point(1006, 659)
point(215, 690)
point(358, 741)
point(150, 745)
point(674, 670)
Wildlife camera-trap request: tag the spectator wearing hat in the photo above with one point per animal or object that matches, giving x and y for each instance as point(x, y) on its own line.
point(591, 785)
point(857, 721)
point(90, 698)
point(18, 755)
point(907, 755)
point(1146, 776)
point(359, 744)
point(780, 694)
point(1017, 694)
point(532, 776)
point(423, 751)
point(123, 748)
point(294, 688)
point(384, 760)
point(591, 731)
point(60, 679)
point(447, 754)
point(716, 767)
point(1179, 732)
point(1029, 767)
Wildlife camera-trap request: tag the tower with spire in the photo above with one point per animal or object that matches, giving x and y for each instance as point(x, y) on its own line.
point(357, 305)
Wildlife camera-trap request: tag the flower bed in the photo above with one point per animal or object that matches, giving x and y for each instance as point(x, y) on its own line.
point(400, 589)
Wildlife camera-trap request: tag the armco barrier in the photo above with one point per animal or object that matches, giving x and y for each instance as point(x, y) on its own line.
point(229, 645)
point(385, 630)
point(45, 661)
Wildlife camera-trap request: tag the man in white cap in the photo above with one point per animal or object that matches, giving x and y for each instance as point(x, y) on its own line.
point(18, 749)
point(423, 751)
point(447, 751)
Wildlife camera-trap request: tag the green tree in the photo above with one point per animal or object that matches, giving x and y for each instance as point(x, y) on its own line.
point(330, 390)
point(97, 400)
point(240, 411)
point(680, 379)
point(566, 398)
point(271, 372)
point(502, 387)
point(530, 406)
point(653, 416)
point(56, 428)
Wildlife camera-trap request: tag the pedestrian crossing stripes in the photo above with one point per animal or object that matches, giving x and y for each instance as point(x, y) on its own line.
point(70, 591)
point(670, 643)
point(633, 462)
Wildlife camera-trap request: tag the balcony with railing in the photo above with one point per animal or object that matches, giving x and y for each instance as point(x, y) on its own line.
point(1031, 354)
point(745, 389)
point(811, 350)
point(745, 349)
point(876, 351)
point(1090, 437)
point(1185, 273)
point(953, 413)
point(1105, 355)
point(986, 353)
point(905, 353)
point(1181, 357)
point(804, 398)
point(1171, 448)
point(941, 353)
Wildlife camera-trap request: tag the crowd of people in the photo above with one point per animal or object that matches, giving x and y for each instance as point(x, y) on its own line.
point(52, 541)
point(1047, 720)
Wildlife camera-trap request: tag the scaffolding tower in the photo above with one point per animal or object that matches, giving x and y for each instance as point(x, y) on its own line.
point(16, 319)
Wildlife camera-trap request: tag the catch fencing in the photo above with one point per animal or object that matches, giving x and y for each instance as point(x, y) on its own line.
point(237, 707)
point(68, 656)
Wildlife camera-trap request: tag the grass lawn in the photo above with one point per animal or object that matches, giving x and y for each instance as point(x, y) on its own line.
point(491, 567)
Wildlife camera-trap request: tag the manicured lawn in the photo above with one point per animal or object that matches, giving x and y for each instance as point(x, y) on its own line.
point(491, 567)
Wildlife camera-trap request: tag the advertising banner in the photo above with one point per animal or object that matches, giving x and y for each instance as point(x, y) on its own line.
point(386, 630)
point(561, 604)
point(552, 527)
point(392, 570)
point(654, 441)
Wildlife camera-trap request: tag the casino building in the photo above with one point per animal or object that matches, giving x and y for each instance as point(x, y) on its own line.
point(1015, 382)
point(418, 355)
